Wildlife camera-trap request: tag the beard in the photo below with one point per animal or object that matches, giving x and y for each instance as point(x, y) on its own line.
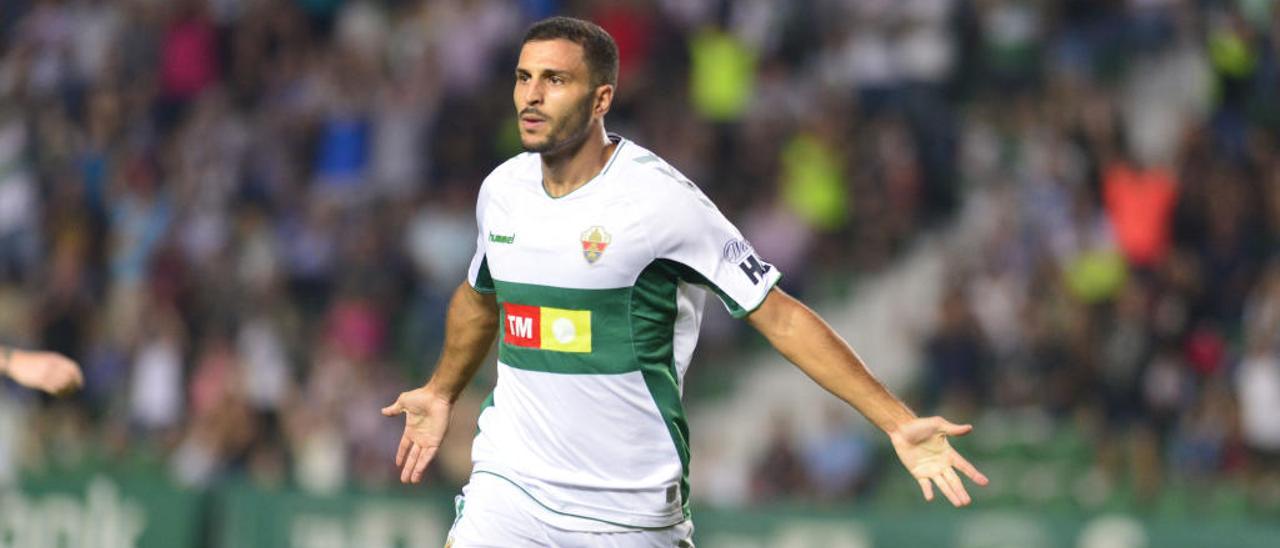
point(567, 132)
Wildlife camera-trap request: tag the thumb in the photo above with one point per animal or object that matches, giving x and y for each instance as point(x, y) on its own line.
point(951, 429)
point(393, 409)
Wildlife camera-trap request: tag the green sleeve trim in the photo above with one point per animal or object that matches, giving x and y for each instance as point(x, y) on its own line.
point(688, 274)
point(484, 281)
point(769, 289)
point(488, 402)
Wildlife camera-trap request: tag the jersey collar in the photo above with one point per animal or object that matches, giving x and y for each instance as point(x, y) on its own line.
point(614, 138)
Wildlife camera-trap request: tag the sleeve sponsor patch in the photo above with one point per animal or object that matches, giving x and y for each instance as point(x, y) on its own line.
point(755, 269)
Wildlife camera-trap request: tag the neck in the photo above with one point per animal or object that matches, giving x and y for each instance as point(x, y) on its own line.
point(567, 170)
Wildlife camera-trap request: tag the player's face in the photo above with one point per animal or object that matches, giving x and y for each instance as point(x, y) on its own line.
point(553, 95)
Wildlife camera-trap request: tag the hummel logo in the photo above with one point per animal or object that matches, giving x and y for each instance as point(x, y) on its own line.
point(500, 239)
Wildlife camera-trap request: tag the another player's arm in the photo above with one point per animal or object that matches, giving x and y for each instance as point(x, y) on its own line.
point(806, 340)
point(470, 327)
point(50, 372)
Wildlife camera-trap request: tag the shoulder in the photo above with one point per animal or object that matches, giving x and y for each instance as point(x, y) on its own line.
point(520, 165)
point(653, 181)
point(516, 171)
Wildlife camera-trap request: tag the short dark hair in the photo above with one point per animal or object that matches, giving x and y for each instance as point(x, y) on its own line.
point(599, 49)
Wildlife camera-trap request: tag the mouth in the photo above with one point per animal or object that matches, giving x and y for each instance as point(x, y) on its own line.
point(530, 123)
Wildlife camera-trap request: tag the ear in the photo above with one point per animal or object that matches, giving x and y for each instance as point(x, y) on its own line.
point(604, 99)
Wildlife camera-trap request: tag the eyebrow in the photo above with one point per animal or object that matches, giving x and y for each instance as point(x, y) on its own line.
point(545, 72)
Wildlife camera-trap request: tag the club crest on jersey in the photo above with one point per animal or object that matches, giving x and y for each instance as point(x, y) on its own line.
point(594, 242)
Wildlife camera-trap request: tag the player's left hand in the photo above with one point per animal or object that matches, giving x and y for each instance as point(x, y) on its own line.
point(922, 447)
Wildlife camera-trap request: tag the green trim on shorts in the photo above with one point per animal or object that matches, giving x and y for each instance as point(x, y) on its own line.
point(554, 511)
point(459, 504)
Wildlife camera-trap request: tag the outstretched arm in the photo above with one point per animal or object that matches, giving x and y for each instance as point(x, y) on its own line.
point(470, 326)
point(50, 372)
point(807, 341)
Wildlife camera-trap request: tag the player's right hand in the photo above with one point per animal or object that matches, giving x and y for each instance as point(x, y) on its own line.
point(426, 419)
point(50, 372)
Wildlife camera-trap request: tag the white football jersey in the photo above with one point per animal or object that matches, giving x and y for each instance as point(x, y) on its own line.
point(600, 296)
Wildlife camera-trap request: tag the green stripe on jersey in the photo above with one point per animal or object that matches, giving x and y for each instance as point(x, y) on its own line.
point(654, 312)
point(611, 351)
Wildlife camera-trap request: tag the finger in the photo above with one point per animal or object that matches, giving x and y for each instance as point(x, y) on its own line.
point(926, 488)
point(403, 450)
point(969, 470)
point(423, 460)
point(393, 409)
point(956, 486)
point(951, 429)
point(70, 383)
point(49, 384)
point(946, 490)
point(71, 375)
point(407, 471)
point(66, 386)
point(57, 385)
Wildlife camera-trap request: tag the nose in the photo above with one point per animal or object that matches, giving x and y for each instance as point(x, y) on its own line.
point(533, 93)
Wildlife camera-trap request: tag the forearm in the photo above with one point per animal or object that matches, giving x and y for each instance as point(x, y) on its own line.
point(6, 356)
point(470, 327)
point(807, 341)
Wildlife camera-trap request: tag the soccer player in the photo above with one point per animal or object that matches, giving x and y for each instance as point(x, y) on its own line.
point(593, 260)
point(50, 372)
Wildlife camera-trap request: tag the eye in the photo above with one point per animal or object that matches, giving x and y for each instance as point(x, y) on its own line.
point(557, 80)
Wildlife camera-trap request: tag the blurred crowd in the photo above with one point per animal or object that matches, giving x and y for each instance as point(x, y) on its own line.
point(1127, 286)
point(245, 217)
point(1119, 307)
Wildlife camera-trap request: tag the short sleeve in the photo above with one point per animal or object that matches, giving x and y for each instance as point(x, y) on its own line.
point(478, 273)
point(708, 250)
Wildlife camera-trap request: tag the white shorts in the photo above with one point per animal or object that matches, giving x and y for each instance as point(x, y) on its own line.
point(493, 513)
